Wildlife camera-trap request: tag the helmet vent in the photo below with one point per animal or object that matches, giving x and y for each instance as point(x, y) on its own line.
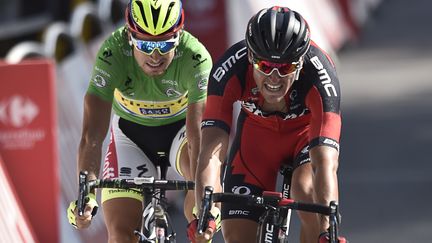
point(141, 9)
point(155, 15)
point(169, 10)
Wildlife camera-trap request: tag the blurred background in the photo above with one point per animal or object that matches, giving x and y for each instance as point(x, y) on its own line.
point(383, 53)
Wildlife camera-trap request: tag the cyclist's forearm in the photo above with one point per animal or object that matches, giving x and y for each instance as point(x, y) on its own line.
point(213, 151)
point(89, 158)
point(208, 172)
point(193, 134)
point(194, 141)
point(95, 127)
point(325, 163)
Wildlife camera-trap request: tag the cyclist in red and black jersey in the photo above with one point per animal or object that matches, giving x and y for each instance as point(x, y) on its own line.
point(290, 115)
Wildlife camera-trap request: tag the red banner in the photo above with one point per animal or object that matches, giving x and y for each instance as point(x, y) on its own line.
point(13, 223)
point(28, 142)
point(207, 21)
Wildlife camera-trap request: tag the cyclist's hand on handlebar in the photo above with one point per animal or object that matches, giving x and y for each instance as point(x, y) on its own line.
point(213, 225)
point(90, 210)
point(206, 237)
point(324, 238)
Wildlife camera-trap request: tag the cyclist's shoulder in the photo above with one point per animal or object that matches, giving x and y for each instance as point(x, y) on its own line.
point(233, 62)
point(319, 71)
point(190, 42)
point(117, 44)
point(114, 50)
point(192, 56)
point(317, 56)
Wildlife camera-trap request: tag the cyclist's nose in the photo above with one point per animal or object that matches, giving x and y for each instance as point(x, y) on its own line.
point(274, 76)
point(155, 55)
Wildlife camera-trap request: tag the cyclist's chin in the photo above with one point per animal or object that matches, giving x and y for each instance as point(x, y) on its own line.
point(272, 96)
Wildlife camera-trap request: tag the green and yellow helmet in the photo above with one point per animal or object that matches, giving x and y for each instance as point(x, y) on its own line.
point(155, 17)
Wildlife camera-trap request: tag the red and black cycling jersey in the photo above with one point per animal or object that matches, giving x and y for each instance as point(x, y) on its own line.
point(313, 100)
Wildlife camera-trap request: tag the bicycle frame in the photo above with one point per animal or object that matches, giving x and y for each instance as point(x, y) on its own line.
point(155, 219)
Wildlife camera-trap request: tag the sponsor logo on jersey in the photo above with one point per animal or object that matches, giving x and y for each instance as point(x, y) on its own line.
point(332, 143)
point(204, 73)
point(197, 57)
point(129, 87)
point(99, 81)
point(106, 54)
point(296, 115)
point(208, 123)
point(228, 63)
point(254, 109)
point(171, 92)
point(251, 107)
point(103, 72)
point(155, 111)
point(254, 91)
point(127, 52)
point(305, 150)
point(324, 77)
point(178, 54)
point(304, 161)
point(202, 84)
point(242, 190)
point(293, 94)
point(169, 82)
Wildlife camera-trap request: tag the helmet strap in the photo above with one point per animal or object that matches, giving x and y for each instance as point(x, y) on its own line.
point(297, 75)
point(250, 56)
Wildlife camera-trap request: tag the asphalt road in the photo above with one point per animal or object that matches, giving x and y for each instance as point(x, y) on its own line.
point(387, 130)
point(385, 163)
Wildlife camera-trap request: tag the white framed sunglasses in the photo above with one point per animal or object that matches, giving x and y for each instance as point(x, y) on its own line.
point(148, 47)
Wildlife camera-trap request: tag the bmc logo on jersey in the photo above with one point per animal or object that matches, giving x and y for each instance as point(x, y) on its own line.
point(228, 63)
point(324, 77)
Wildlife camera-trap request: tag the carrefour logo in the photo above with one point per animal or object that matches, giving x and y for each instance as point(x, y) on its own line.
point(17, 111)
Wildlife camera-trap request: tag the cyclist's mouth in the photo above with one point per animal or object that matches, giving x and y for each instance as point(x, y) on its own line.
point(273, 88)
point(155, 65)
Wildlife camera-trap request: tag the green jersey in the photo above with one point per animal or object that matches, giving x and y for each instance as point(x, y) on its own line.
point(146, 100)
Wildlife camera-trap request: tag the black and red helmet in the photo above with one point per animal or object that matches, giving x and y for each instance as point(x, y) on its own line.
point(278, 34)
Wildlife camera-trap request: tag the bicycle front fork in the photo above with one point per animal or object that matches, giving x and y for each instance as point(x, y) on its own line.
point(273, 227)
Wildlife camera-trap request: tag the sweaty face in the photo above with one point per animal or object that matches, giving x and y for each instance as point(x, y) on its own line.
point(273, 88)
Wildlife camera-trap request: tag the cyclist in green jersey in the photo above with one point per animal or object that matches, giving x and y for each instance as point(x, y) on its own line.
point(153, 74)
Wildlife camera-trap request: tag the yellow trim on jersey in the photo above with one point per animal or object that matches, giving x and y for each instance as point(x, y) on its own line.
point(152, 109)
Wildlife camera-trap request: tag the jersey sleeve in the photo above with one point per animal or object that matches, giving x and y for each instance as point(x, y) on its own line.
point(106, 69)
point(197, 70)
point(323, 101)
point(225, 87)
